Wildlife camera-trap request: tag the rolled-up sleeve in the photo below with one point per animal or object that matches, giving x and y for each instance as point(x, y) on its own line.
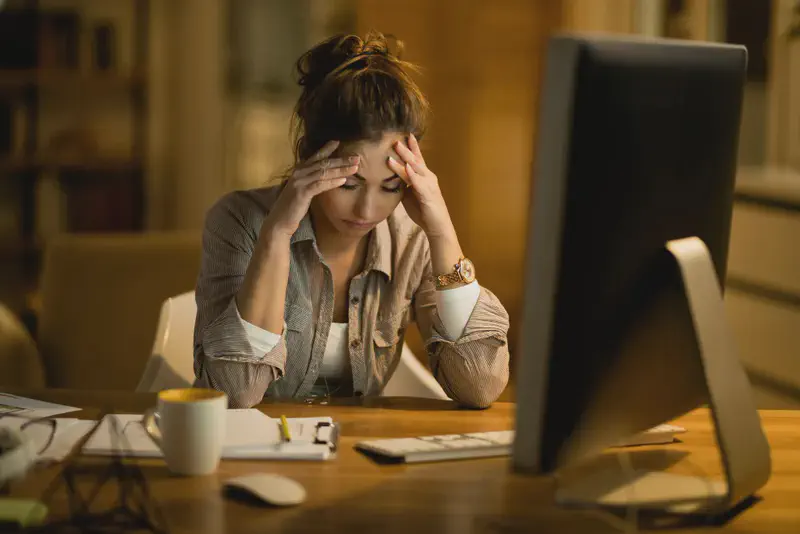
point(474, 368)
point(224, 356)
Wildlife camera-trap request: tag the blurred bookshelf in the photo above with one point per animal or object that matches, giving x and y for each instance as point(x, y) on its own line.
point(73, 112)
point(95, 163)
point(24, 78)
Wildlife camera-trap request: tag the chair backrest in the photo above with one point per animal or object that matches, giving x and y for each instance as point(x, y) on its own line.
point(20, 363)
point(412, 379)
point(171, 364)
point(100, 300)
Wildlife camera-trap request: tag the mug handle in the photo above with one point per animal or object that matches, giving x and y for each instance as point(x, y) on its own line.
point(150, 424)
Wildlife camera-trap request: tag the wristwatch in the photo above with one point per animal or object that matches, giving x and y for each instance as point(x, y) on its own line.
point(463, 272)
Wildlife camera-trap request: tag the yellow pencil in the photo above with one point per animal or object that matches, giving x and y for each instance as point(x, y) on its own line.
point(285, 428)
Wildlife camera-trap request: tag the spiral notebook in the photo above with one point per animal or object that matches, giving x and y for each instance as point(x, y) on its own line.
point(249, 434)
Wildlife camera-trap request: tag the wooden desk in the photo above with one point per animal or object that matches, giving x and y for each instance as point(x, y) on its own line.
point(353, 494)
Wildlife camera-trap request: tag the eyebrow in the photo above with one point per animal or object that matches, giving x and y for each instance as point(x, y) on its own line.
point(389, 179)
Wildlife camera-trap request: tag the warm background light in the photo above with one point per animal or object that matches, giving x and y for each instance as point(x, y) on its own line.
point(196, 101)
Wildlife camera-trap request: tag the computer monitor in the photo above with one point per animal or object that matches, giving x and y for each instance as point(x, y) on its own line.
point(622, 325)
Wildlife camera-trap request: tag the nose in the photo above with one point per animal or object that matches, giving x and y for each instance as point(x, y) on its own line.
point(365, 207)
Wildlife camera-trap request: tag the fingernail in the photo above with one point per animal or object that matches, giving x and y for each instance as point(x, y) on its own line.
point(412, 137)
point(392, 160)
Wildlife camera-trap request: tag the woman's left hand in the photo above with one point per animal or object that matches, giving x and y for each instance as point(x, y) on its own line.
point(425, 205)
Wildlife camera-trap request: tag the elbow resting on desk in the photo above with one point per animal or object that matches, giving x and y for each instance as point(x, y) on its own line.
point(473, 369)
point(227, 361)
point(484, 397)
point(474, 380)
point(243, 383)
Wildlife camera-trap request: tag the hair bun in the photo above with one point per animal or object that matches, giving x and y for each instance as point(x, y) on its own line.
point(340, 51)
point(355, 89)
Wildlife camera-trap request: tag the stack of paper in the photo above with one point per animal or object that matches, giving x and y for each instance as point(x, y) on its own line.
point(30, 408)
point(249, 434)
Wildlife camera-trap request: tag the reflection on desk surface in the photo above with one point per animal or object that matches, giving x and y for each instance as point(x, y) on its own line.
point(353, 494)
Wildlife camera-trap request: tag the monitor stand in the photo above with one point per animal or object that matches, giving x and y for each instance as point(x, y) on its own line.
point(743, 447)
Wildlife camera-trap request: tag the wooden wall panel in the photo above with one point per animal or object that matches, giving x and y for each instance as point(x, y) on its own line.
point(606, 16)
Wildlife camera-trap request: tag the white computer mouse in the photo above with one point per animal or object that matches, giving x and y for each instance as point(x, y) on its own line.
point(272, 489)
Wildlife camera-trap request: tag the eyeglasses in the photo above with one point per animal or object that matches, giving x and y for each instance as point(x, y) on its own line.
point(41, 430)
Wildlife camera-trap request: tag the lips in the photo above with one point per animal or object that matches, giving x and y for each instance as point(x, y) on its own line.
point(360, 224)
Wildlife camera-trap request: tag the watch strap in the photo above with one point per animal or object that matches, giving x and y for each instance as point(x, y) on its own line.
point(444, 280)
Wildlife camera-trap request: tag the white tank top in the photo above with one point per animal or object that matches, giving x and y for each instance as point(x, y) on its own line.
point(336, 361)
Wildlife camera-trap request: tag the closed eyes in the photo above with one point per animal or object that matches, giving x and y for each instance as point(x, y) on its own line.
point(387, 185)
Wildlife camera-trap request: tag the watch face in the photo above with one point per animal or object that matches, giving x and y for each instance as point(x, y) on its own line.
point(467, 271)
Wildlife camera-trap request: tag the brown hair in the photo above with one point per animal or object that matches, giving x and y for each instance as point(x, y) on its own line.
point(354, 90)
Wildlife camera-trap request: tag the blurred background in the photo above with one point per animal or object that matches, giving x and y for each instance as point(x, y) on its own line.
point(121, 121)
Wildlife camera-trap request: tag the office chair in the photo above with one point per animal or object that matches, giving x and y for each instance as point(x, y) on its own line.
point(171, 362)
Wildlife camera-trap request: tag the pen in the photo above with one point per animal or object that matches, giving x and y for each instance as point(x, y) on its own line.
point(285, 428)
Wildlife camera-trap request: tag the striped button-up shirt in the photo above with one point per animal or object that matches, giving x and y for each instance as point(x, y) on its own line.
point(395, 288)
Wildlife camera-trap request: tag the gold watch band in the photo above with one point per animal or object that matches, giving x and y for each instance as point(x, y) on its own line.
point(444, 280)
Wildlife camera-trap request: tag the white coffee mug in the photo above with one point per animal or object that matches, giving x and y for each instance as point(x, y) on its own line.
point(188, 425)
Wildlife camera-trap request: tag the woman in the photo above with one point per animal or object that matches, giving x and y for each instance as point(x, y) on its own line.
point(306, 288)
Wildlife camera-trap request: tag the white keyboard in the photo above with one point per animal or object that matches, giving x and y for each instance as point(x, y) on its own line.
point(481, 444)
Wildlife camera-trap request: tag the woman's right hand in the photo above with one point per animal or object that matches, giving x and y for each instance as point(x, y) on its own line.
point(316, 175)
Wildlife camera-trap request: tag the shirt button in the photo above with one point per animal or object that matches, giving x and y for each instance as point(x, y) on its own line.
point(355, 300)
point(355, 343)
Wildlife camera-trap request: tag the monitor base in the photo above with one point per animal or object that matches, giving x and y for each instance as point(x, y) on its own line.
point(644, 490)
point(743, 447)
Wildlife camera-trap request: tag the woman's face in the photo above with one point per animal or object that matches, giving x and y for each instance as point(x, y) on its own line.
point(371, 194)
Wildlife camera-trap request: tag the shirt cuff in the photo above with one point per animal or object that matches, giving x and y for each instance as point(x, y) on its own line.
point(455, 308)
point(261, 340)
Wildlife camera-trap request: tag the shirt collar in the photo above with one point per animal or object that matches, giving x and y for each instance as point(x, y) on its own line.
point(379, 249)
